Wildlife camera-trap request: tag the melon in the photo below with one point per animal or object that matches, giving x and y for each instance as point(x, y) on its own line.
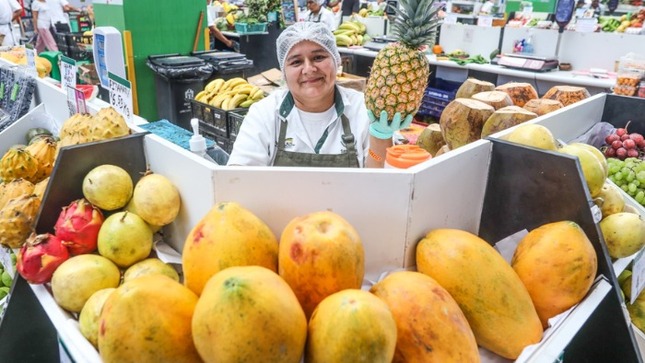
point(462, 121)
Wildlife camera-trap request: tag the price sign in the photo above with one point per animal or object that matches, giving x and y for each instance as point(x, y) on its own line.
point(486, 21)
point(76, 101)
point(450, 19)
point(638, 276)
point(68, 71)
point(31, 57)
point(121, 96)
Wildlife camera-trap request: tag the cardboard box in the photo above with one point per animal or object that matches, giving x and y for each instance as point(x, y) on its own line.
point(272, 79)
point(87, 73)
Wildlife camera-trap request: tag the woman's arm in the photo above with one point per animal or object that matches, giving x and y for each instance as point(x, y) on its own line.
point(376, 155)
point(34, 15)
point(221, 37)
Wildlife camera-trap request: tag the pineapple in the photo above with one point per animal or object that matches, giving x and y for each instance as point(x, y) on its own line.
point(400, 72)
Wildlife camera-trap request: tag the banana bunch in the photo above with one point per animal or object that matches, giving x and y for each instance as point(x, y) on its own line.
point(350, 33)
point(230, 94)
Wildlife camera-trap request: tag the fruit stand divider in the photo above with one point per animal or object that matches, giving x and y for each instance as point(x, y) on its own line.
point(527, 188)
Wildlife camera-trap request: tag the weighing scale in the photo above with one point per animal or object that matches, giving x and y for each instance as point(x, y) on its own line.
point(378, 43)
point(563, 13)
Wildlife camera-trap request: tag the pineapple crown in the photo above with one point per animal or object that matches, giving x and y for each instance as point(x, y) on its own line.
point(416, 22)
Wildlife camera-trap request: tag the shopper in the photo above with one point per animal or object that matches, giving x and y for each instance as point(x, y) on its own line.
point(348, 7)
point(41, 12)
point(218, 41)
point(320, 14)
point(10, 11)
point(60, 20)
point(313, 122)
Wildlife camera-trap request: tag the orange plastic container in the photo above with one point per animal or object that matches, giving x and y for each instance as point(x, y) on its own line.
point(405, 156)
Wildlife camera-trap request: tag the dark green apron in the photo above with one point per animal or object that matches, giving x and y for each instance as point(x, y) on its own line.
point(290, 158)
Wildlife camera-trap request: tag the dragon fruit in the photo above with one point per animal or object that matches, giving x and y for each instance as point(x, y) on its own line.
point(39, 257)
point(78, 226)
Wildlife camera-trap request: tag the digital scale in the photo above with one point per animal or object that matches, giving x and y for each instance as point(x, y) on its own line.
point(528, 62)
point(378, 43)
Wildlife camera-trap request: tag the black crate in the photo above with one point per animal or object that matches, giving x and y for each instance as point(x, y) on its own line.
point(78, 40)
point(61, 40)
point(235, 118)
point(210, 118)
point(223, 142)
point(81, 54)
point(437, 96)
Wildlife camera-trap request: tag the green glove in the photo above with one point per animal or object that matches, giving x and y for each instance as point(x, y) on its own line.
point(381, 128)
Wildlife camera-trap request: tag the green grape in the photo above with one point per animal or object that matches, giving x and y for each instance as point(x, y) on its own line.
point(624, 187)
point(611, 177)
point(641, 176)
point(618, 176)
point(630, 176)
point(632, 188)
point(640, 196)
point(630, 165)
point(613, 169)
point(636, 182)
point(625, 170)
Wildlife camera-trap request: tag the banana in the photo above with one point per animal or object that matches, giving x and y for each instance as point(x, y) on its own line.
point(344, 31)
point(214, 85)
point(219, 100)
point(257, 95)
point(225, 103)
point(350, 25)
point(343, 40)
point(201, 96)
point(247, 89)
point(236, 100)
point(231, 83)
point(247, 103)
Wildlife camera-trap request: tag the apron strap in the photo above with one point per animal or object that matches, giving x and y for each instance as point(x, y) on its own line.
point(348, 137)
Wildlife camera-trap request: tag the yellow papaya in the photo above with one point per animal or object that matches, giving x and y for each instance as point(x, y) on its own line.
point(229, 235)
point(487, 289)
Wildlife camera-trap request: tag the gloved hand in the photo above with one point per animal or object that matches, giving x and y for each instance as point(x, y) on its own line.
point(381, 128)
point(235, 46)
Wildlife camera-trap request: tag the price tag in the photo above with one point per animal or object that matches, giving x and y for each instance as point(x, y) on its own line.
point(486, 21)
point(638, 276)
point(76, 101)
point(450, 19)
point(68, 72)
point(121, 96)
point(31, 57)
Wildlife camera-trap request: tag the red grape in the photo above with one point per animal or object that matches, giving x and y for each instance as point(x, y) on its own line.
point(611, 138)
point(636, 137)
point(620, 132)
point(610, 152)
point(624, 137)
point(621, 153)
point(616, 144)
point(641, 144)
point(632, 153)
point(629, 144)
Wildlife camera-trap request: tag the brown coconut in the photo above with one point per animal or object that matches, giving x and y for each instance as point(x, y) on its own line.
point(442, 150)
point(542, 106)
point(431, 139)
point(497, 99)
point(504, 118)
point(462, 121)
point(520, 92)
point(567, 94)
point(472, 86)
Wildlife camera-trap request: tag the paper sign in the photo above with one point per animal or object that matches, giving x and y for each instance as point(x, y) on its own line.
point(31, 57)
point(486, 21)
point(638, 276)
point(450, 19)
point(68, 71)
point(121, 96)
point(76, 101)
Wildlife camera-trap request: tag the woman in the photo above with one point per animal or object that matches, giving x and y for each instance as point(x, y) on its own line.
point(313, 122)
point(320, 14)
point(41, 11)
point(10, 11)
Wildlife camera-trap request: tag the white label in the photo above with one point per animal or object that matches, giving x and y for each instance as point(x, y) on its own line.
point(121, 96)
point(596, 213)
point(31, 57)
point(486, 21)
point(166, 254)
point(68, 71)
point(507, 246)
point(638, 276)
point(450, 19)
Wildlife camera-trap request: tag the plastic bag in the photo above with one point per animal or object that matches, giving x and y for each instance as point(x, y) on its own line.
point(201, 71)
point(596, 135)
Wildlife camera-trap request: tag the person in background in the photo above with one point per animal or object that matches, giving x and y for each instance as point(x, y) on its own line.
point(312, 122)
point(216, 35)
point(320, 14)
point(60, 20)
point(41, 12)
point(597, 7)
point(348, 7)
point(10, 11)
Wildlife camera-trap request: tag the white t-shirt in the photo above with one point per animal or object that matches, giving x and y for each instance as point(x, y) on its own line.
point(44, 13)
point(57, 12)
point(7, 7)
point(257, 138)
point(324, 16)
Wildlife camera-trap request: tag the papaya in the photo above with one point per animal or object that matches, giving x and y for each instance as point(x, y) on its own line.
point(491, 295)
point(249, 314)
point(228, 235)
point(320, 253)
point(557, 263)
point(352, 326)
point(430, 325)
point(148, 319)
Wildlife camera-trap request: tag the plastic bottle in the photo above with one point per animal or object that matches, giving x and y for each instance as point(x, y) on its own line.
point(197, 142)
point(405, 156)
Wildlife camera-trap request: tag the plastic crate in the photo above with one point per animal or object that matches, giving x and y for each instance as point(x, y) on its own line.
point(61, 40)
point(235, 119)
point(245, 28)
point(80, 54)
point(78, 40)
point(211, 119)
point(437, 96)
point(223, 142)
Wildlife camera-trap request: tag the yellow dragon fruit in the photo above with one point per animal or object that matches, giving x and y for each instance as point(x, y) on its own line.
point(77, 124)
point(13, 189)
point(108, 123)
point(44, 150)
point(17, 220)
point(18, 163)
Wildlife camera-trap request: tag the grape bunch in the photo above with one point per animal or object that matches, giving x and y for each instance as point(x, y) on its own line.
point(629, 175)
point(622, 144)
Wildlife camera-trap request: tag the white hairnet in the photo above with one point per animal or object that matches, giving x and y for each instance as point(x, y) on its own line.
point(320, 2)
point(306, 30)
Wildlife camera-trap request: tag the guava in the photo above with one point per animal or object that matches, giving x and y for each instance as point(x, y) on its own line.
point(108, 187)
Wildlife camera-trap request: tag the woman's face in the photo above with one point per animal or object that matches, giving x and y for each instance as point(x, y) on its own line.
point(313, 6)
point(310, 72)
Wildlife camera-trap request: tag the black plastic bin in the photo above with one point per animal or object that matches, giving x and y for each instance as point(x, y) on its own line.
point(226, 65)
point(177, 80)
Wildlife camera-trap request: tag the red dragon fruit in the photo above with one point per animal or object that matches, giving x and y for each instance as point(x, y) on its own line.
point(39, 257)
point(78, 226)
